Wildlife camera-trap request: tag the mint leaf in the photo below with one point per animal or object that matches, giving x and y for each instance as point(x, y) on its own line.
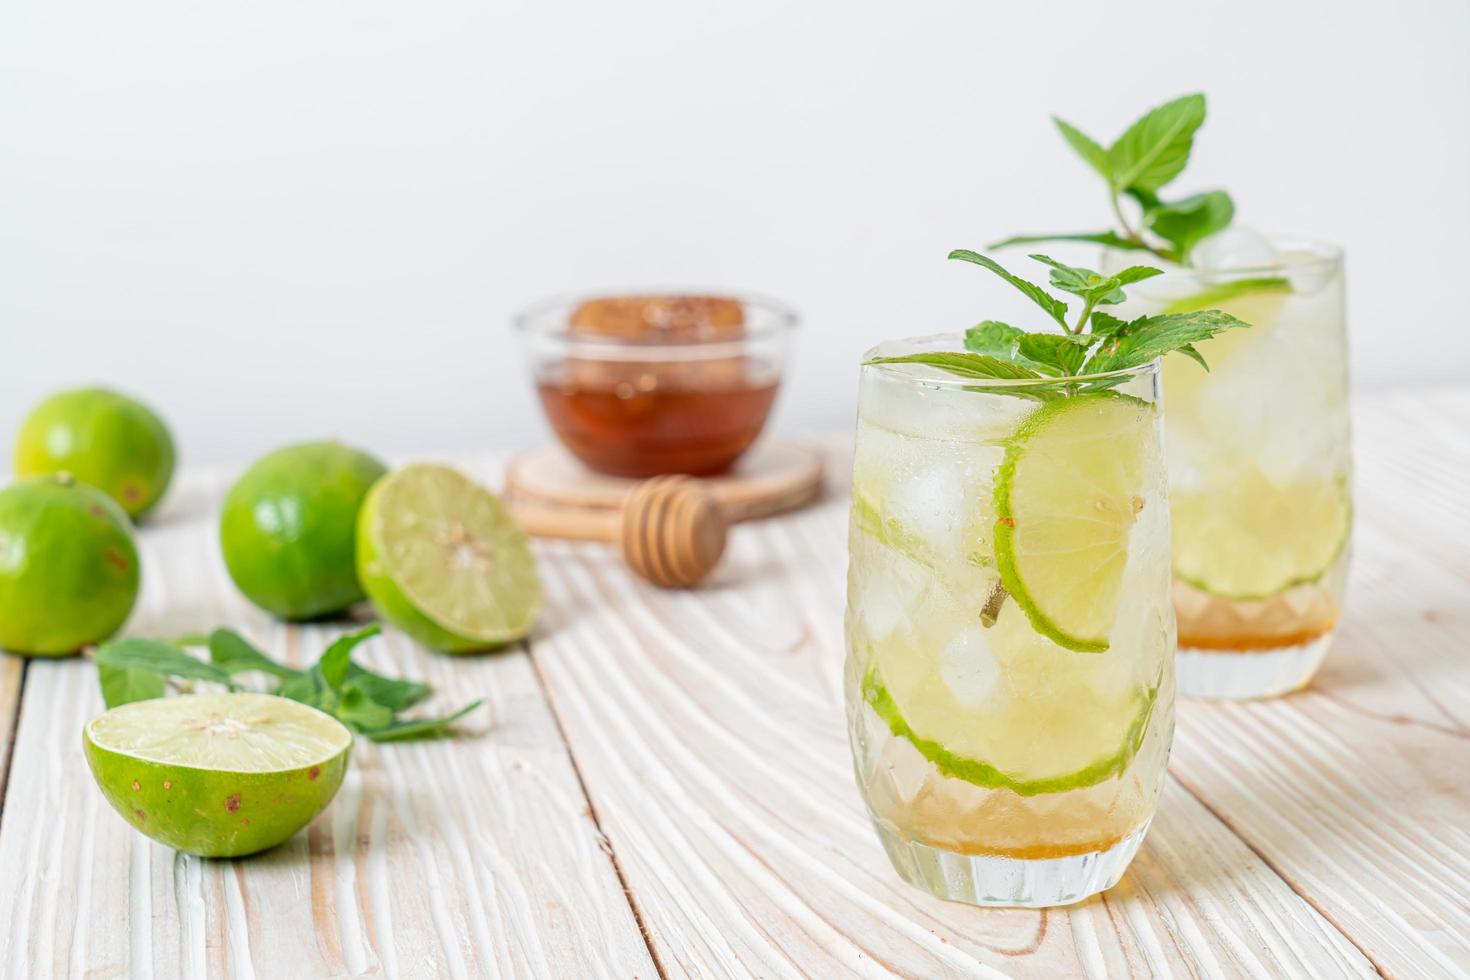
point(1069, 278)
point(336, 660)
point(1087, 148)
point(1054, 307)
point(1187, 222)
point(1225, 291)
point(1109, 238)
point(124, 685)
point(158, 657)
point(358, 710)
point(1154, 150)
point(1092, 286)
point(1148, 337)
point(999, 340)
point(1105, 324)
point(305, 687)
point(965, 365)
point(399, 695)
point(1189, 351)
point(980, 366)
point(1063, 352)
point(1136, 273)
point(234, 654)
point(399, 731)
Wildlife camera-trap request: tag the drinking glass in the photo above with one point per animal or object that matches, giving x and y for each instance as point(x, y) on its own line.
point(1010, 639)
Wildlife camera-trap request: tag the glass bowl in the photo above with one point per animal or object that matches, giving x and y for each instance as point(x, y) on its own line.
point(642, 384)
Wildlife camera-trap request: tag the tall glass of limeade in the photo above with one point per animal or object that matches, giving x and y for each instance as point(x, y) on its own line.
point(1259, 463)
point(1010, 672)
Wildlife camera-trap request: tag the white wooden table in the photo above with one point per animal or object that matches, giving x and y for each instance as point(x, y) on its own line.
point(661, 787)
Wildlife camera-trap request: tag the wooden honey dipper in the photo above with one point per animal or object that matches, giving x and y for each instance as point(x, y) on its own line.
point(671, 529)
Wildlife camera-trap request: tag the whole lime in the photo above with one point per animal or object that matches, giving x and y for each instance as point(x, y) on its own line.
point(100, 437)
point(288, 528)
point(68, 566)
point(219, 775)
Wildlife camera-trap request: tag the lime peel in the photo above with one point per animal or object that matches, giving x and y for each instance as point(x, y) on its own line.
point(983, 773)
point(1118, 506)
point(217, 775)
point(1238, 542)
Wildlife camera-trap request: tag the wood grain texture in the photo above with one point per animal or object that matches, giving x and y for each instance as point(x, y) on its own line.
point(474, 857)
point(12, 673)
point(1357, 790)
point(1317, 836)
point(709, 730)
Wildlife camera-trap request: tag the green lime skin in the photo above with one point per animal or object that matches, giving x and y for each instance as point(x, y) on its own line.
point(289, 526)
point(68, 566)
point(213, 813)
point(108, 440)
point(395, 607)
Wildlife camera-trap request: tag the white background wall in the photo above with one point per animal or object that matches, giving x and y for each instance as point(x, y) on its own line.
point(294, 218)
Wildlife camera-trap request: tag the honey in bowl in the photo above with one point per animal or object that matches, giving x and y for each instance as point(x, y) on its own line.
point(644, 385)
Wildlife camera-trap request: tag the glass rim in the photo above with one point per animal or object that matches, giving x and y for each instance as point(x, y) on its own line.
point(547, 320)
point(899, 371)
point(1321, 255)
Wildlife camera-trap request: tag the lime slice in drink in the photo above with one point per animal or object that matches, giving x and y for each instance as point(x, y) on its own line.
point(1254, 539)
point(1066, 499)
point(1007, 708)
point(1254, 301)
point(444, 561)
point(218, 775)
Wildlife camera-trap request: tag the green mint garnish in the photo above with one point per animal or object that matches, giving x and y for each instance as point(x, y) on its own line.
point(136, 669)
point(1147, 157)
point(1094, 342)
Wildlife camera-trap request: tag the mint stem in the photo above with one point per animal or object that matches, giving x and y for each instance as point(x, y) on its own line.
point(1128, 231)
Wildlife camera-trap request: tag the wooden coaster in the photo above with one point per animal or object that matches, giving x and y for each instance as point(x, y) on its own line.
point(773, 478)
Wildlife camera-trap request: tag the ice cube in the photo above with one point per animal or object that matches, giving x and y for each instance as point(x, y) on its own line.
point(901, 403)
point(1234, 249)
point(882, 607)
point(969, 669)
point(935, 505)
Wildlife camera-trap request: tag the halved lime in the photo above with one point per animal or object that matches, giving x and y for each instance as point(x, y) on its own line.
point(443, 560)
point(1007, 708)
point(1253, 538)
point(218, 775)
point(1066, 499)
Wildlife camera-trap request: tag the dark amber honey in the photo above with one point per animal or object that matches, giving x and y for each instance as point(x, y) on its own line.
point(643, 420)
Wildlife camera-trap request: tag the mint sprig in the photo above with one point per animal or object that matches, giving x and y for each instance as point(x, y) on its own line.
point(1096, 342)
point(136, 669)
point(1149, 155)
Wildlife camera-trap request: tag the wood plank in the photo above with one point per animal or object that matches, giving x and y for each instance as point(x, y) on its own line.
point(12, 676)
point(1358, 790)
point(476, 857)
point(709, 729)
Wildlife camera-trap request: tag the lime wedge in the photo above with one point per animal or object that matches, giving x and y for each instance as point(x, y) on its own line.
point(1066, 499)
point(1007, 708)
point(443, 560)
point(218, 775)
point(1255, 539)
